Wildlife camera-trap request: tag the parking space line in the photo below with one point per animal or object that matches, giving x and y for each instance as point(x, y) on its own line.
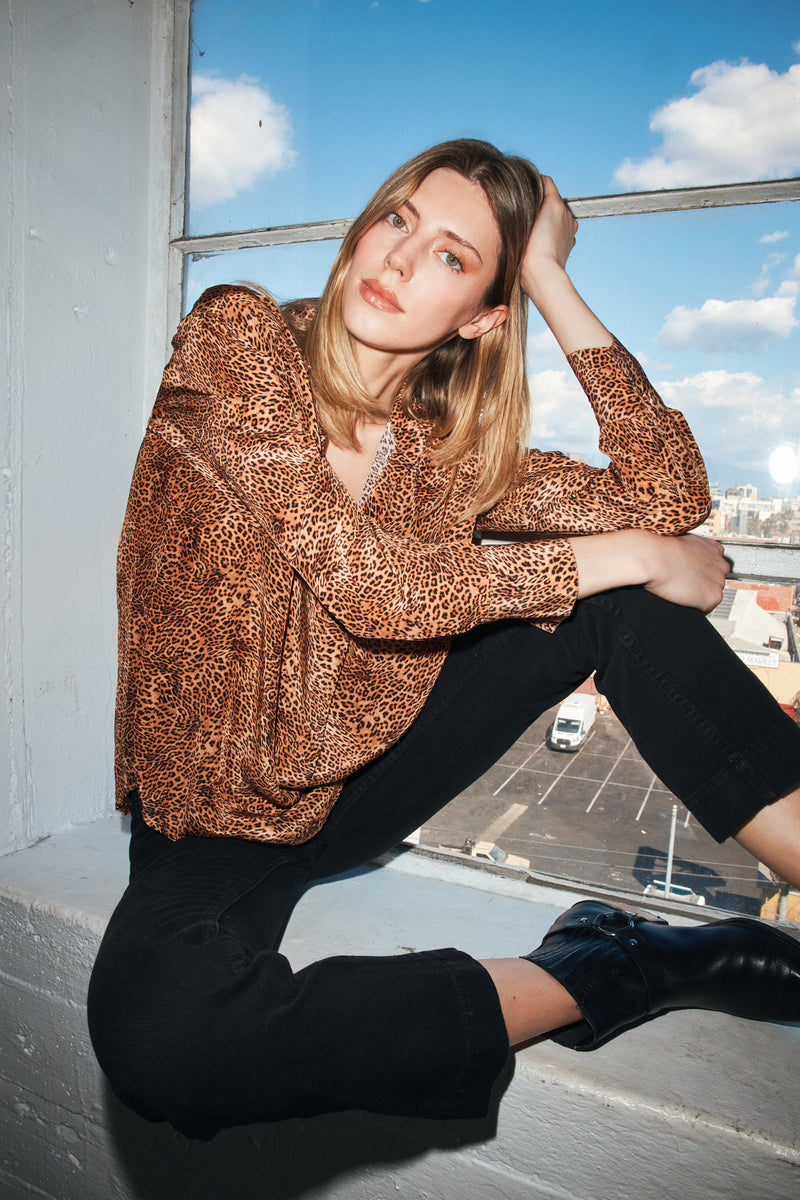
point(608, 776)
point(635, 787)
point(646, 798)
point(492, 832)
point(555, 781)
point(517, 770)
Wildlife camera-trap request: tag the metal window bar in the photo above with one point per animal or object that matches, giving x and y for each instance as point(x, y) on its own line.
point(723, 195)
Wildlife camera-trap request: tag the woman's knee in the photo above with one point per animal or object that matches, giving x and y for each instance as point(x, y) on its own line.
point(132, 1034)
point(149, 1027)
point(174, 1027)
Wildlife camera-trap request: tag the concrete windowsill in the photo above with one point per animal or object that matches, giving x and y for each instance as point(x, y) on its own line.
point(692, 1105)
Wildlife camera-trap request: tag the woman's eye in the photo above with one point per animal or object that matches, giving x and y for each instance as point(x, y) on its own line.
point(396, 221)
point(451, 260)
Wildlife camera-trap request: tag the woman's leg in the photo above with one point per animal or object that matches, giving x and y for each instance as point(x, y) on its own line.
point(198, 1020)
point(773, 836)
point(700, 717)
point(704, 723)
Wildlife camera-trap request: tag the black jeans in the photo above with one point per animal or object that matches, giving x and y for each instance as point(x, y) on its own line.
point(198, 1019)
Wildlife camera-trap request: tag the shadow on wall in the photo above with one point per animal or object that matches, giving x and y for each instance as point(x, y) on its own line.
point(282, 1161)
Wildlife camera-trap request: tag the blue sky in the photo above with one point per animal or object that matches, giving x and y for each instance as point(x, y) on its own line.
point(606, 97)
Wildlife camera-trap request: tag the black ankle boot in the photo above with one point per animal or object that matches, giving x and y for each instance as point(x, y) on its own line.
point(622, 968)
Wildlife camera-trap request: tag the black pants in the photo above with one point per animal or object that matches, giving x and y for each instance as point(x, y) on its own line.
point(197, 1019)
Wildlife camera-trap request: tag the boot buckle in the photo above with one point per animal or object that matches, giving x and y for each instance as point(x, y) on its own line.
point(612, 923)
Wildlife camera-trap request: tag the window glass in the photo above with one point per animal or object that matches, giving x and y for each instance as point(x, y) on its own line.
point(301, 107)
point(594, 812)
point(707, 301)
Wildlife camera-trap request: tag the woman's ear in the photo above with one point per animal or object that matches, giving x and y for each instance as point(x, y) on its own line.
point(490, 318)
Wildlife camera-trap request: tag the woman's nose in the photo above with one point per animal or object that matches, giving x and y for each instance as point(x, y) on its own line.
point(398, 259)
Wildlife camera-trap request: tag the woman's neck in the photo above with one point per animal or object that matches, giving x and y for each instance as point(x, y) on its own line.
point(383, 374)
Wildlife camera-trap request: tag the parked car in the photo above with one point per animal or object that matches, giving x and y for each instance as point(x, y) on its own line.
point(658, 887)
point(573, 722)
point(489, 852)
point(492, 853)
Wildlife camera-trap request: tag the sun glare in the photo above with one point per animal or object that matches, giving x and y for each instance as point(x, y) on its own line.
point(784, 464)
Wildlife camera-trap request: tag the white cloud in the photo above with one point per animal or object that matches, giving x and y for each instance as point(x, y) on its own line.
point(562, 418)
point(543, 351)
point(737, 417)
point(777, 236)
point(238, 134)
point(773, 260)
point(742, 123)
point(725, 325)
point(739, 390)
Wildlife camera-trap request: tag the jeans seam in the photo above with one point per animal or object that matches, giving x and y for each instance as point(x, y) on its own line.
point(472, 1043)
point(245, 889)
point(739, 764)
point(671, 690)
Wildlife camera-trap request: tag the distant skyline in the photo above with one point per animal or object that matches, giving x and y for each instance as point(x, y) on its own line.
point(300, 110)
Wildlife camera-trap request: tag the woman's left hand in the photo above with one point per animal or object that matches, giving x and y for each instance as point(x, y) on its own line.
point(551, 240)
point(544, 278)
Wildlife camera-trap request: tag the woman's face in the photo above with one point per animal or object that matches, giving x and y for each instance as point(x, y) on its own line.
point(420, 274)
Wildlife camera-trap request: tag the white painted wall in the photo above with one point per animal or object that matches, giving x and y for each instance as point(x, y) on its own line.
point(85, 168)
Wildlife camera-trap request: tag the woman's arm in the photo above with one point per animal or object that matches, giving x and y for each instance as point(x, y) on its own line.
point(656, 479)
point(545, 280)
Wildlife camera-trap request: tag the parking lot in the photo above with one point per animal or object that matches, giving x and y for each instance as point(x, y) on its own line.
point(599, 815)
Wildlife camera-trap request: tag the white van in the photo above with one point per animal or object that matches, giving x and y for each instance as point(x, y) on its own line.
point(573, 721)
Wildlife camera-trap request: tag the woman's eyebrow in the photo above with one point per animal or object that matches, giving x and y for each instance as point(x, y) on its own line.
point(448, 233)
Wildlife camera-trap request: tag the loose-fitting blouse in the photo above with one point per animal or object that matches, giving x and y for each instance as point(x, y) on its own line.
point(274, 635)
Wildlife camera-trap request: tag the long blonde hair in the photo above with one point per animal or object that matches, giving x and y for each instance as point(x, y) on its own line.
point(473, 392)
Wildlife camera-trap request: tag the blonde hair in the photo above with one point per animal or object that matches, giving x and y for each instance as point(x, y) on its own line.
point(473, 392)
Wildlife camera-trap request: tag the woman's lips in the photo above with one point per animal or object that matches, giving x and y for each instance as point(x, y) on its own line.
point(378, 296)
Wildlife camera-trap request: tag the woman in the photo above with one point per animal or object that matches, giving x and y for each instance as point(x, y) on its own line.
point(314, 657)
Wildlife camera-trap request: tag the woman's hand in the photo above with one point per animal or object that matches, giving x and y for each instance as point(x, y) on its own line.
point(552, 238)
point(544, 278)
point(687, 570)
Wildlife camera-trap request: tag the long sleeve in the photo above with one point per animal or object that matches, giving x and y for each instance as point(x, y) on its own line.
point(655, 479)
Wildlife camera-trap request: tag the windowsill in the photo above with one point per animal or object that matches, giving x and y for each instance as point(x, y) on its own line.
point(691, 1093)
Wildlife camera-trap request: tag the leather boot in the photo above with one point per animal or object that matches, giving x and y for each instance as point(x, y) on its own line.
point(622, 968)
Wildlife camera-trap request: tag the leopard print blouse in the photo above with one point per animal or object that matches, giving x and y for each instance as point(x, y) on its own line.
point(274, 635)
